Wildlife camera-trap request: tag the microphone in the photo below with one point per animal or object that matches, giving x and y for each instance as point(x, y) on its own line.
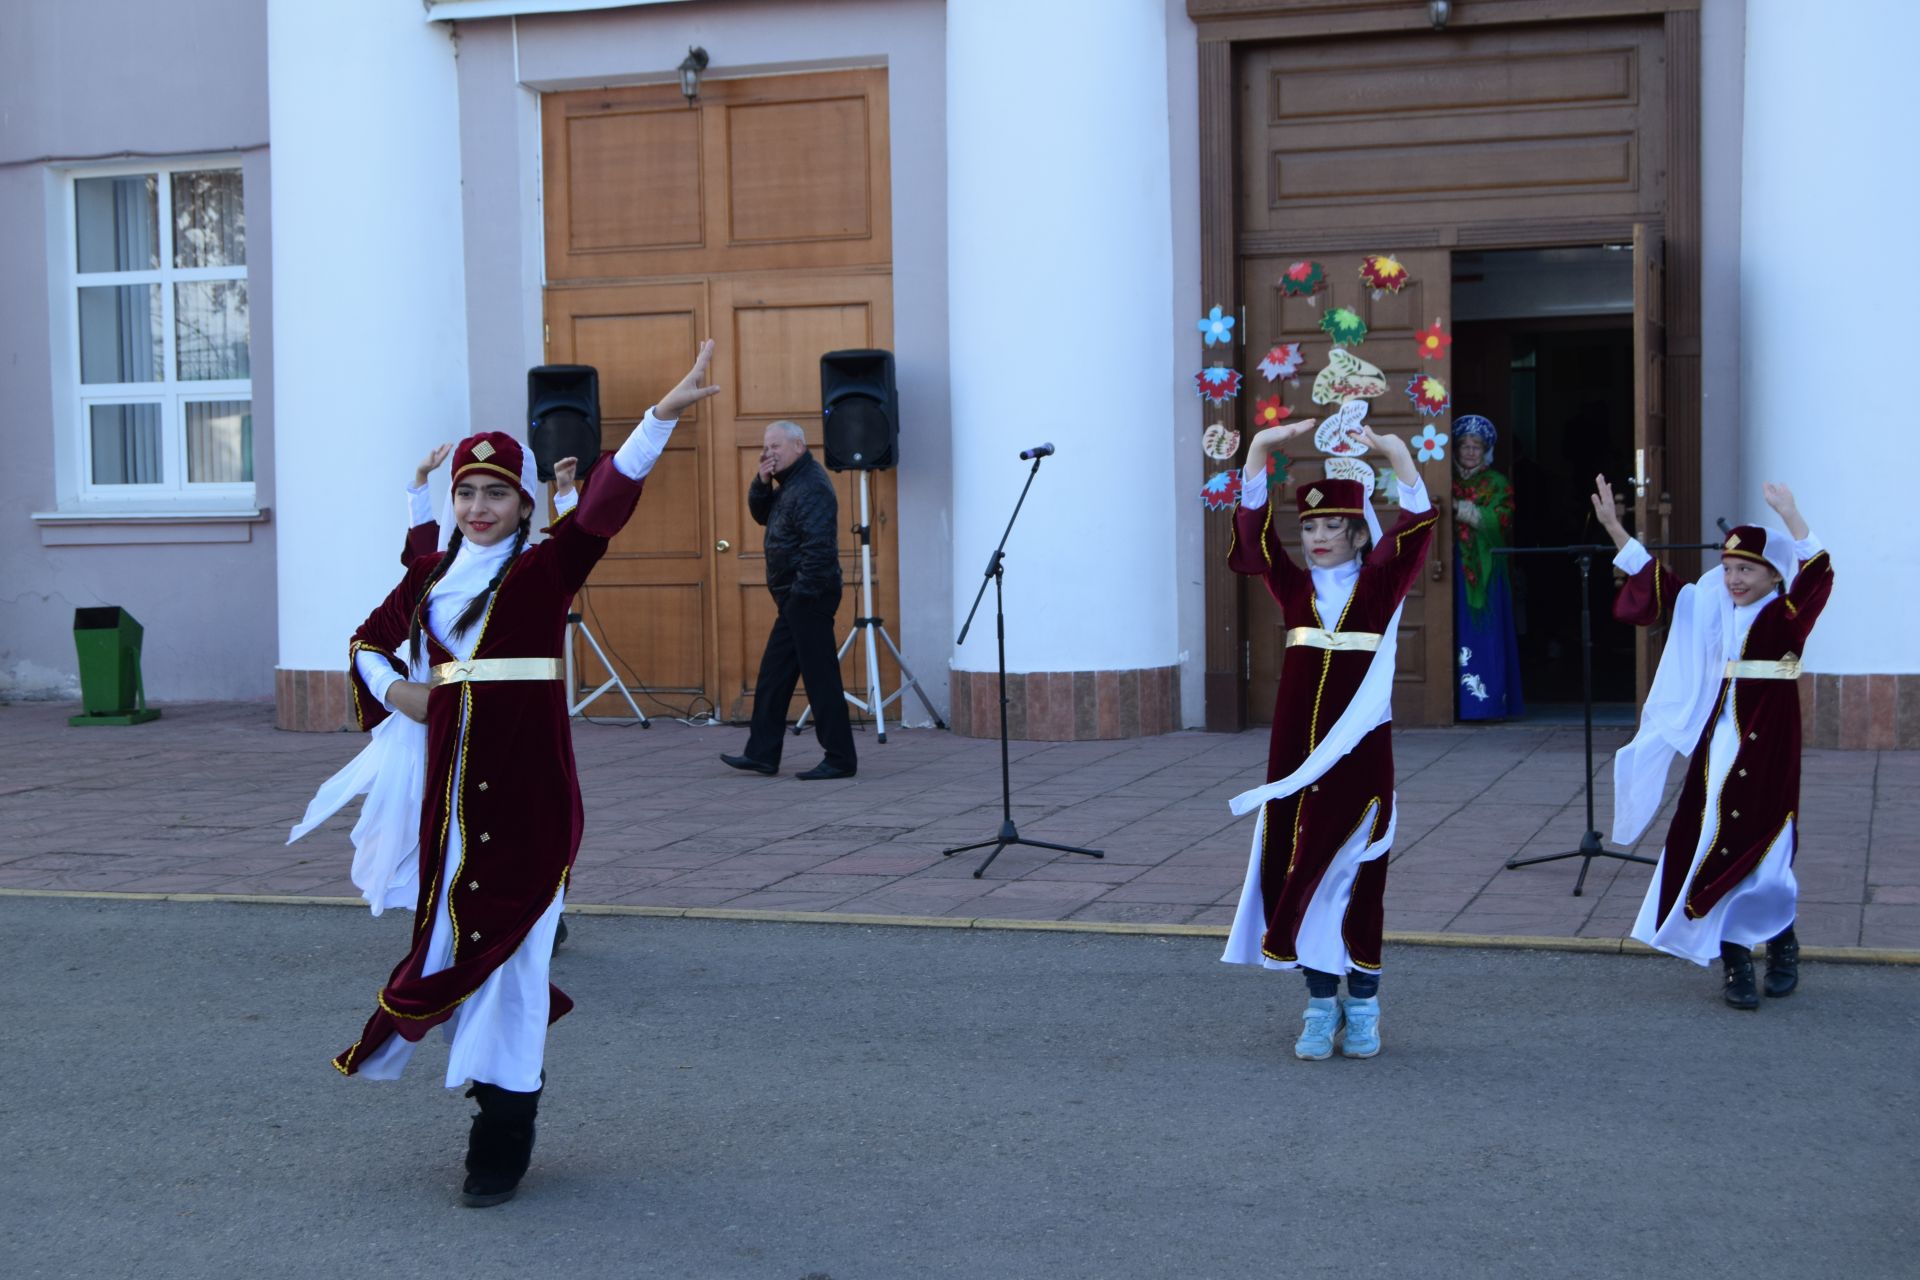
point(1038, 451)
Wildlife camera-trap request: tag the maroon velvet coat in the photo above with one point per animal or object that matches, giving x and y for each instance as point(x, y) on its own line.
point(1762, 791)
point(518, 810)
point(1304, 831)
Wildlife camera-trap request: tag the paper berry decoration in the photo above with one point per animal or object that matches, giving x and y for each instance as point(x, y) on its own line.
point(1270, 412)
point(1219, 442)
point(1344, 326)
point(1217, 383)
point(1221, 492)
point(1303, 280)
point(1216, 327)
point(1282, 362)
point(1429, 394)
point(1383, 273)
point(1431, 343)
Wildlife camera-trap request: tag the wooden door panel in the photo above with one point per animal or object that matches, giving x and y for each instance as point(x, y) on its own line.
point(1423, 690)
point(1652, 503)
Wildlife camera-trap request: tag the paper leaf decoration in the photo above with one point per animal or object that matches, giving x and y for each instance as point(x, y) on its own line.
point(1270, 412)
point(1431, 343)
point(1217, 383)
point(1387, 485)
point(1216, 327)
point(1336, 437)
point(1351, 469)
point(1220, 443)
point(1281, 362)
point(1430, 445)
point(1303, 279)
point(1428, 393)
point(1344, 326)
point(1383, 273)
point(1221, 492)
point(1276, 468)
point(1347, 377)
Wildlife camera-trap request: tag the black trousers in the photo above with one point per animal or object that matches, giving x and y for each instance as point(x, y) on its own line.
point(802, 646)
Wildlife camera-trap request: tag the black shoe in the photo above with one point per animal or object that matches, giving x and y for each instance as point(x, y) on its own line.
point(823, 772)
point(500, 1144)
point(1783, 964)
point(1739, 992)
point(748, 764)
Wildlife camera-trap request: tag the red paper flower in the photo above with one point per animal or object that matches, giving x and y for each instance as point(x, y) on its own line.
point(1270, 412)
point(1431, 343)
point(1303, 278)
point(1217, 384)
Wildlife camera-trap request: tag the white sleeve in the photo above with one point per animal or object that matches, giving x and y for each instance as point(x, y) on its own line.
point(419, 506)
point(1632, 558)
point(1253, 488)
point(565, 502)
point(1413, 497)
point(1805, 549)
point(643, 448)
point(378, 674)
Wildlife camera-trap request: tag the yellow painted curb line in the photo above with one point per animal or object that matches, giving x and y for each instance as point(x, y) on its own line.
point(1484, 941)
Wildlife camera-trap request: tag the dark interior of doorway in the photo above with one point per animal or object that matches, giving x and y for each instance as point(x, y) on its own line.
point(1543, 345)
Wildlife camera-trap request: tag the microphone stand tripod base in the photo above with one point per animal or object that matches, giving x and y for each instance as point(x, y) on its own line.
point(1010, 835)
point(1590, 848)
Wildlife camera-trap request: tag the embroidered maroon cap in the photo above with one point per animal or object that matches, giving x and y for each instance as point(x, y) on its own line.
point(1330, 498)
point(497, 454)
point(1747, 542)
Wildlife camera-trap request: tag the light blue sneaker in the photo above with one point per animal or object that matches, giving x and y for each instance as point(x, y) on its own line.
point(1363, 1026)
point(1316, 1037)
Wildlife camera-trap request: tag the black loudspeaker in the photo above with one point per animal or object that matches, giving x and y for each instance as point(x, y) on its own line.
point(860, 411)
point(563, 417)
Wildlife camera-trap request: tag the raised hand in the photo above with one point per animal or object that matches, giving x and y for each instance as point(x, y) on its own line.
point(563, 474)
point(1606, 513)
point(428, 463)
point(1396, 452)
point(1268, 439)
point(1780, 498)
point(691, 389)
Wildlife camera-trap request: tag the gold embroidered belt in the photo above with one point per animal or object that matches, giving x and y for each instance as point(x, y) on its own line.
point(1319, 638)
point(1757, 669)
point(497, 669)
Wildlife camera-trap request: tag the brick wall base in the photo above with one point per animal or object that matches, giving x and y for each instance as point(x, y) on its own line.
point(1860, 713)
point(1067, 706)
point(312, 701)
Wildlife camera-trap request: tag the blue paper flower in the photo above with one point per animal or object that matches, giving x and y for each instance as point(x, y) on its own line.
point(1216, 327)
point(1430, 445)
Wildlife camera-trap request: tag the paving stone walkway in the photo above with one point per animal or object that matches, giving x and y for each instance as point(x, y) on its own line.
point(200, 802)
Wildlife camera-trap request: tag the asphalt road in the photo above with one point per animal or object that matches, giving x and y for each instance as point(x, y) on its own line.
point(808, 1101)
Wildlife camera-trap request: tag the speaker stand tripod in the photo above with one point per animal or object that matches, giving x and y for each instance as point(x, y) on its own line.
point(613, 681)
point(866, 627)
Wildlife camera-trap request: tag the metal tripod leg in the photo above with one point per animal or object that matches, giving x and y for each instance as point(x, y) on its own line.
point(613, 681)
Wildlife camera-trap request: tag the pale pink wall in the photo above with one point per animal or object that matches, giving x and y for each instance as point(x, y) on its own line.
point(106, 78)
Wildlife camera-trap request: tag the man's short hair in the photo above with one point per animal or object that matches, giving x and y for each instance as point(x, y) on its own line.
point(792, 430)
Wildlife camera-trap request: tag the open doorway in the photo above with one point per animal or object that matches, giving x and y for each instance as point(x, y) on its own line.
point(1543, 346)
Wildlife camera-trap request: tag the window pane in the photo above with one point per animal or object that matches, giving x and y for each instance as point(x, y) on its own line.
point(209, 220)
point(219, 441)
point(120, 335)
point(126, 443)
point(210, 329)
point(117, 221)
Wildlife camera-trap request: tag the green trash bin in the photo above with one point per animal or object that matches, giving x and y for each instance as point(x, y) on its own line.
point(111, 690)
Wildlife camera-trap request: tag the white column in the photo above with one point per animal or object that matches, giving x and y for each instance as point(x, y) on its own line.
point(369, 306)
point(1828, 198)
point(1060, 280)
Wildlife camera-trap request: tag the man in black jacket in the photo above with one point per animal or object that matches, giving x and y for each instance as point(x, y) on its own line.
point(793, 497)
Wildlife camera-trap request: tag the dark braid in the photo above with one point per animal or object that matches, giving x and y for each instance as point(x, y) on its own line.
point(477, 607)
point(420, 605)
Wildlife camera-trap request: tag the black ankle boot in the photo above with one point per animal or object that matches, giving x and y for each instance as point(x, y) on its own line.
point(1739, 990)
point(500, 1144)
point(1783, 963)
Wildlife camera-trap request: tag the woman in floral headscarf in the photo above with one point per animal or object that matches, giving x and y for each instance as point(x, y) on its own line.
point(1489, 652)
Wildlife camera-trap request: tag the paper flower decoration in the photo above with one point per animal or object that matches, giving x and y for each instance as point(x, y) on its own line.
point(1429, 395)
point(1344, 326)
point(1339, 435)
point(1221, 492)
point(1383, 273)
point(1386, 487)
point(1282, 362)
point(1347, 377)
point(1217, 383)
point(1431, 343)
point(1216, 327)
point(1430, 445)
point(1276, 468)
point(1270, 412)
point(1303, 279)
point(1219, 443)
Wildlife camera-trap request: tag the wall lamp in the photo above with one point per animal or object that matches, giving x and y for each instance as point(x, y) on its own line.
point(1438, 11)
point(690, 68)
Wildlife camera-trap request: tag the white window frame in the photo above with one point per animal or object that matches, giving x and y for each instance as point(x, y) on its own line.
point(74, 399)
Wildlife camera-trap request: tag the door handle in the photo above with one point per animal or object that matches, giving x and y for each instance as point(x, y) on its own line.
point(723, 545)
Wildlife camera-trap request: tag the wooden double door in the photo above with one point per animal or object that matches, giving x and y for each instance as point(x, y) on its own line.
point(757, 218)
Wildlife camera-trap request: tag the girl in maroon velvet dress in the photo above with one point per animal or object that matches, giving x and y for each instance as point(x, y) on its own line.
point(469, 644)
point(1317, 873)
point(1727, 695)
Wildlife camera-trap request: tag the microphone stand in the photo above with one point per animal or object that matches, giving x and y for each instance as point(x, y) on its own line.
point(1590, 843)
point(1008, 833)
